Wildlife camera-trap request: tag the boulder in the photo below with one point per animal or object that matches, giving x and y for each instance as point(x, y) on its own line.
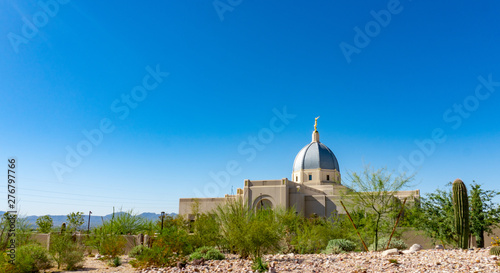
point(416, 247)
point(390, 252)
point(198, 262)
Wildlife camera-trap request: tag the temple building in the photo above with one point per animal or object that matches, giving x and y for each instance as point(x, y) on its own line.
point(314, 189)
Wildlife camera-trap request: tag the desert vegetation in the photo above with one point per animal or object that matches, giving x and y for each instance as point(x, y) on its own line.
point(446, 216)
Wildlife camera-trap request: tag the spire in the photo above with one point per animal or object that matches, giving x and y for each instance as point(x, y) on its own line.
point(315, 135)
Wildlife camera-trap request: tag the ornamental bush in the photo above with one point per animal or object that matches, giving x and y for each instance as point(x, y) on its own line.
point(207, 253)
point(169, 247)
point(395, 243)
point(66, 251)
point(337, 246)
point(32, 258)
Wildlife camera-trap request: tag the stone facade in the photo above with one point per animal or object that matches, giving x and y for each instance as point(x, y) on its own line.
point(315, 188)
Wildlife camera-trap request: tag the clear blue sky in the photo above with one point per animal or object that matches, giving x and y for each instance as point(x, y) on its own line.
point(378, 83)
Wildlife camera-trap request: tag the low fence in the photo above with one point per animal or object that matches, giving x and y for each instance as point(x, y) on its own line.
point(131, 240)
point(418, 237)
point(409, 237)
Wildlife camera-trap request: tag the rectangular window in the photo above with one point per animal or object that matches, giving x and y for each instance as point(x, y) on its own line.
point(296, 178)
point(327, 177)
point(310, 177)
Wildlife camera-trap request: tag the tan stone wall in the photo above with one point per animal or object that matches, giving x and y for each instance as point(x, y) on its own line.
point(44, 240)
point(418, 237)
point(206, 204)
point(321, 205)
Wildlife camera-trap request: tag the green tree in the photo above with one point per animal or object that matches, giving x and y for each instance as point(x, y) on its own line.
point(375, 191)
point(435, 216)
point(44, 224)
point(75, 220)
point(484, 214)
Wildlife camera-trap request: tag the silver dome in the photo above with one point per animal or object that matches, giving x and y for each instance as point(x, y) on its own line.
point(315, 155)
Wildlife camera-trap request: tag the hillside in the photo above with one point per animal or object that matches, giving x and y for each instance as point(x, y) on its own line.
point(94, 220)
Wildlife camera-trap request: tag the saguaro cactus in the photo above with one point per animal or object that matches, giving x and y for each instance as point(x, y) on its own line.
point(461, 207)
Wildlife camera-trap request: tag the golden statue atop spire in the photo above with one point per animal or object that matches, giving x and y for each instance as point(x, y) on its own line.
point(316, 123)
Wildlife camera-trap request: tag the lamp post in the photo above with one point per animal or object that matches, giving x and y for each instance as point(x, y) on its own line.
point(162, 216)
point(88, 227)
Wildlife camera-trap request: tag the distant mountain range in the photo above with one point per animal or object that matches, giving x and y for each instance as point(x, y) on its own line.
point(95, 221)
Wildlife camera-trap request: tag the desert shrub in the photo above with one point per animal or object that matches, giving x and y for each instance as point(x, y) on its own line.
point(207, 253)
point(136, 251)
point(214, 254)
point(288, 221)
point(339, 245)
point(107, 241)
point(23, 231)
point(66, 251)
point(233, 218)
point(195, 256)
point(128, 222)
point(5, 265)
point(248, 232)
point(44, 224)
point(259, 265)
point(313, 234)
point(111, 245)
point(169, 247)
point(115, 262)
point(32, 258)
point(395, 243)
point(206, 231)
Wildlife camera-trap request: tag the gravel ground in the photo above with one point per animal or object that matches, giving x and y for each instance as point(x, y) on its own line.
point(474, 260)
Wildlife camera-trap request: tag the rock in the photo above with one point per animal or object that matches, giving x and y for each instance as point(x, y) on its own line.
point(181, 265)
point(198, 261)
point(416, 247)
point(271, 270)
point(390, 252)
point(408, 251)
point(439, 247)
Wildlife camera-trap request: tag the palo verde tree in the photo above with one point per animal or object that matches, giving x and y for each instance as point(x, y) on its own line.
point(375, 190)
point(75, 220)
point(435, 217)
point(484, 214)
point(44, 224)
